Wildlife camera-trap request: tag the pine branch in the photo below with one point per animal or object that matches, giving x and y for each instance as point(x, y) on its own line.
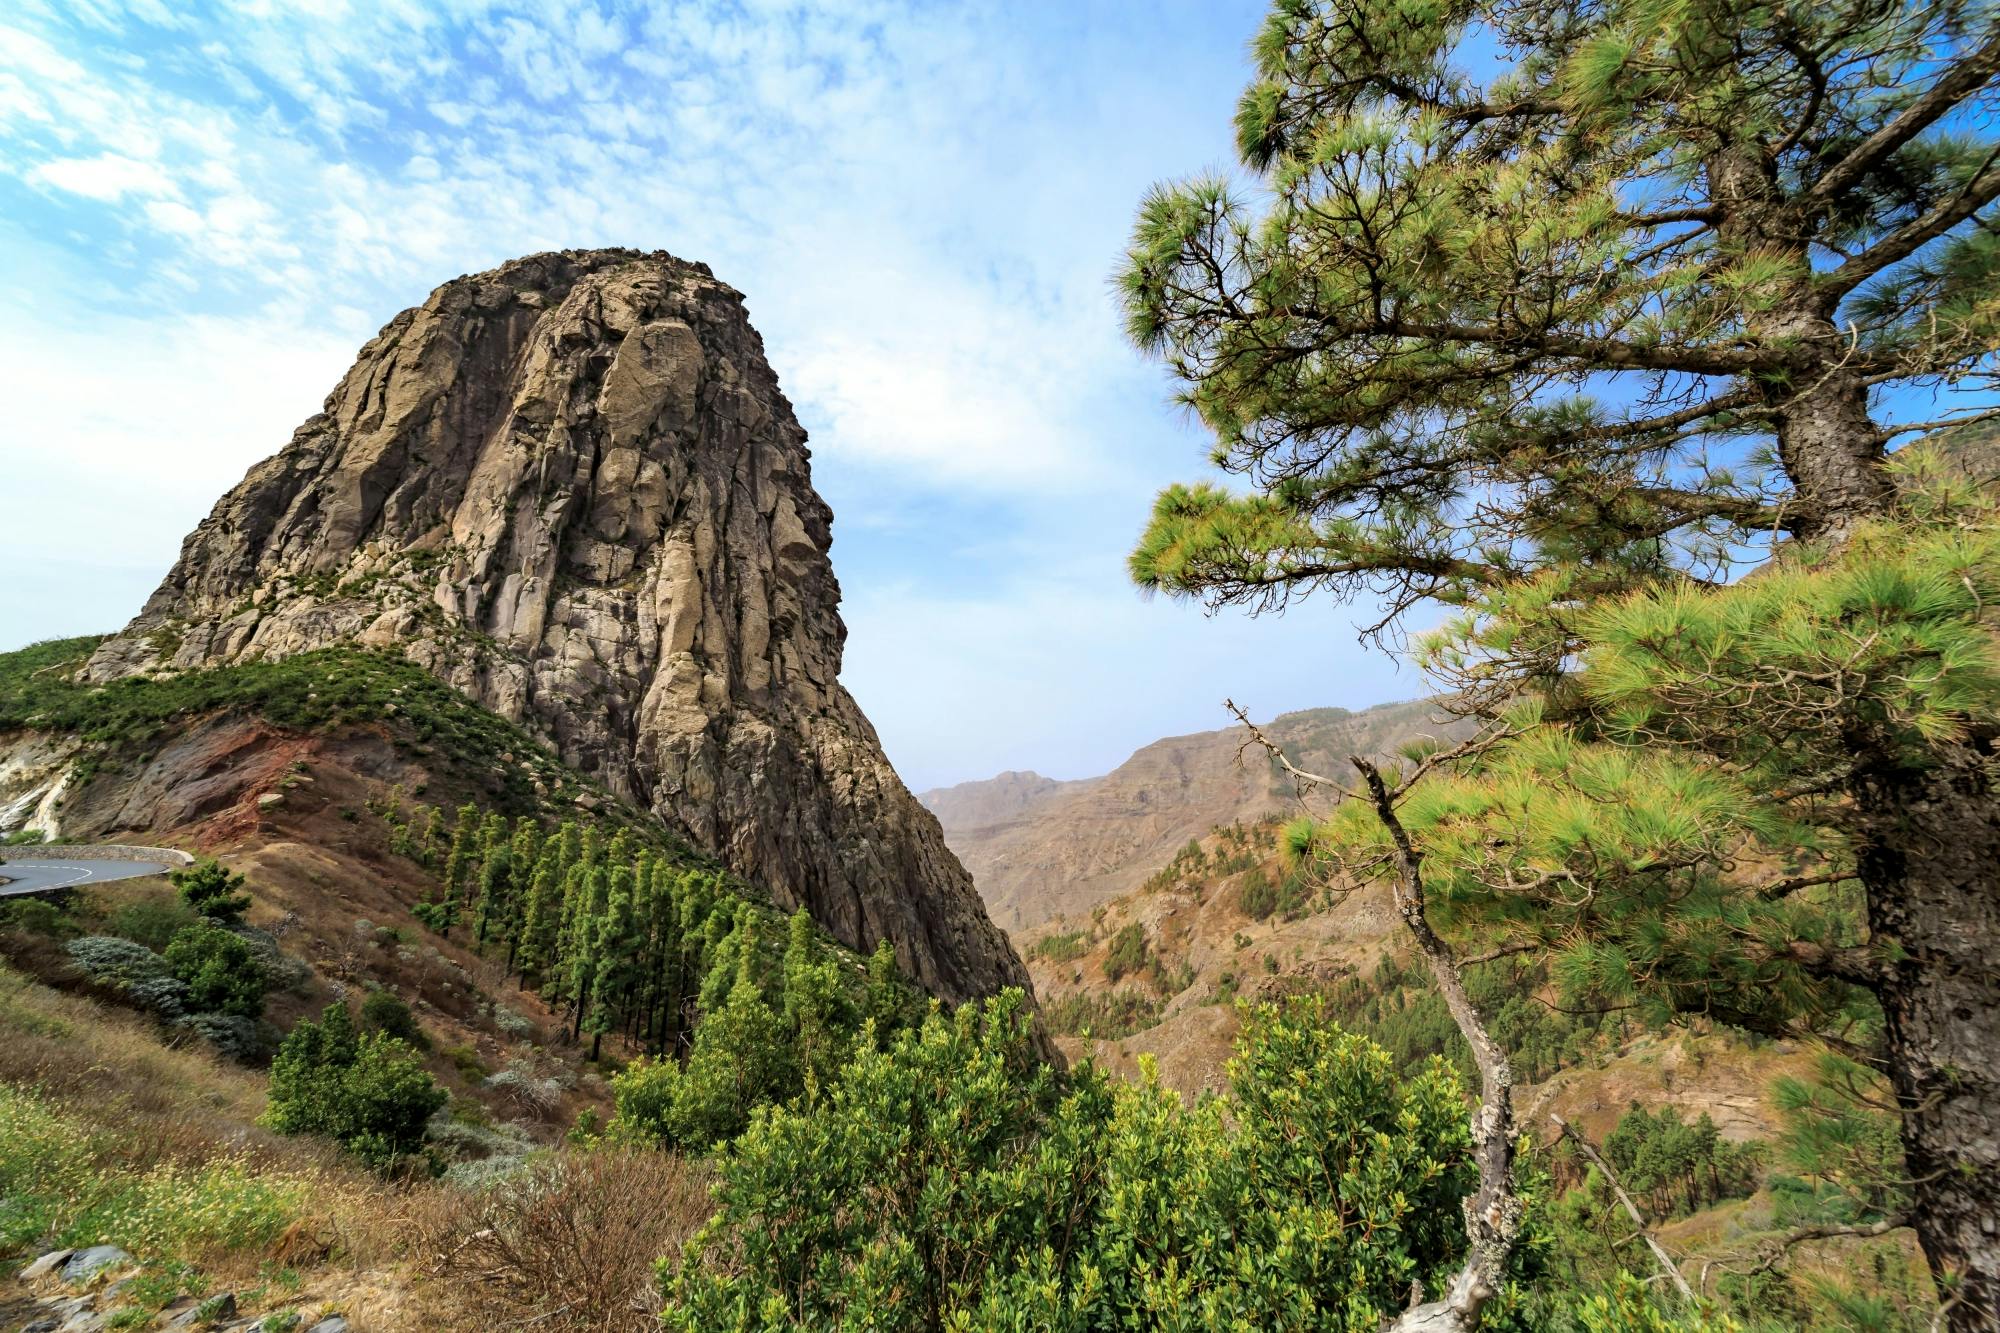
point(1612, 353)
point(1779, 1246)
point(1912, 236)
point(1780, 888)
point(1958, 83)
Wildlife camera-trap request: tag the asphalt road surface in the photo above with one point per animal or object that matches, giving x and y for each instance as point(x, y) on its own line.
point(28, 875)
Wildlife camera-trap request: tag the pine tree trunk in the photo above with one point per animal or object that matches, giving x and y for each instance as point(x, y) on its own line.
point(1931, 864)
point(1929, 857)
point(1832, 451)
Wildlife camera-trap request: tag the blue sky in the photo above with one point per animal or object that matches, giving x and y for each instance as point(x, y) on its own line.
point(205, 210)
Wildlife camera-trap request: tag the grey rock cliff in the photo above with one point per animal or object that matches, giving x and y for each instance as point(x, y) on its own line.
point(571, 488)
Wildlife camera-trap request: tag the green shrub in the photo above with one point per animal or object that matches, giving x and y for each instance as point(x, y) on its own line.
point(741, 1059)
point(221, 971)
point(26, 837)
point(385, 1012)
point(1127, 953)
point(36, 916)
point(149, 921)
point(953, 1182)
point(213, 891)
point(371, 1092)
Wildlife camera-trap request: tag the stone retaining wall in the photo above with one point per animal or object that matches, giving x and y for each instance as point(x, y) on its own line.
point(95, 851)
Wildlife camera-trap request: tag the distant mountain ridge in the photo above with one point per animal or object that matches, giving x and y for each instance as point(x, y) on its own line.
point(1038, 848)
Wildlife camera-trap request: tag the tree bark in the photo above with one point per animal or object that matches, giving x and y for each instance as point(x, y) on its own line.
point(1832, 451)
point(1930, 859)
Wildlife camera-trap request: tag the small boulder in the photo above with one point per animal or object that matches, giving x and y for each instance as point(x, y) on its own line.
point(45, 1265)
point(270, 800)
point(209, 1311)
point(88, 1263)
point(335, 1324)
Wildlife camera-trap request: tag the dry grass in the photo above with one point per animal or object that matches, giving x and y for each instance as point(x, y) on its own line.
point(567, 1245)
point(162, 1146)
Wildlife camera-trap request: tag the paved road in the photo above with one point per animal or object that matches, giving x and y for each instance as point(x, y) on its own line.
point(33, 876)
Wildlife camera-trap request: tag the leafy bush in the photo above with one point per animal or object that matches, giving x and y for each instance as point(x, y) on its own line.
point(372, 1092)
point(213, 891)
point(149, 921)
point(220, 970)
point(952, 1182)
point(36, 916)
point(383, 1011)
point(739, 1061)
point(1127, 953)
point(111, 961)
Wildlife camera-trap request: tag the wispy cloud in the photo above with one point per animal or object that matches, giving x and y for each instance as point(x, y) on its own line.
point(205, 208)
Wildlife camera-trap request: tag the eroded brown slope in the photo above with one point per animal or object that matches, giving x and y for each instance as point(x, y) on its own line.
point(1039, 848)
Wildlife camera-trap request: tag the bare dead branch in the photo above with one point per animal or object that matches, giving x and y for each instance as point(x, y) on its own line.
point(1660, 1255)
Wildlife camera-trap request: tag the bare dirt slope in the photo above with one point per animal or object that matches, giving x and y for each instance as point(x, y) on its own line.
point(1038, 848)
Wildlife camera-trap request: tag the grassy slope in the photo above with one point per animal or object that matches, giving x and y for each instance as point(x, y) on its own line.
point(333, 734)
point(311, 692)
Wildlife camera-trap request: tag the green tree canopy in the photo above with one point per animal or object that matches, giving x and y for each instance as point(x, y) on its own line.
point(952, 1181)
point(212, 890)
point(1561, 317)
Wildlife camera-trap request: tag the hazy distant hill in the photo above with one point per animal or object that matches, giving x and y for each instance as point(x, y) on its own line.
point(1037, 847)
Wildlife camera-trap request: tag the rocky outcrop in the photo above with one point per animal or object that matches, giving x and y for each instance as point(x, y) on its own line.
point(572, 488)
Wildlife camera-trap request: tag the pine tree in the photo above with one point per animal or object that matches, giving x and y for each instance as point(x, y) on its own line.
point(432, 841)
point(581, 955)
point(460, 866)
point(1565, 350)
point(496, 878)
point(542, 918)
point(213, 890)
point(887, 994)
point(816, 1007)
point(612, 946)
point(523, 861)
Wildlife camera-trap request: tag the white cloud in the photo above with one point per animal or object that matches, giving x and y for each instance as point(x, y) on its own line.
point(920, 203)
point(108, 177)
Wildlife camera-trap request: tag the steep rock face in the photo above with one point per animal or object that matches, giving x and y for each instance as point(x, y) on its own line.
point(571, 488)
